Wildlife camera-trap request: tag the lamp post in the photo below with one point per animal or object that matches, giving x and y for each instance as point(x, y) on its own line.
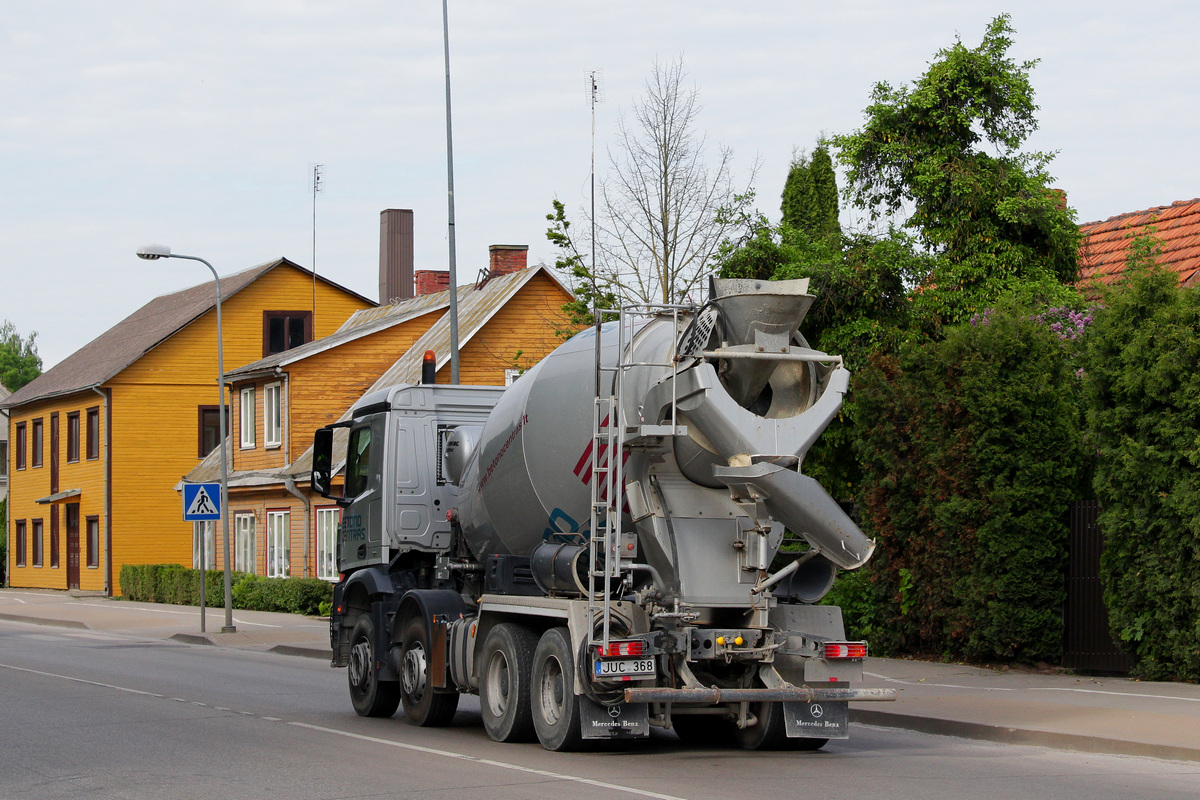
point(152, 252)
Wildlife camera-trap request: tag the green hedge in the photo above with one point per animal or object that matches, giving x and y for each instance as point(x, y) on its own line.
point(972, 454)
point(1143, 372)
point(178, 585)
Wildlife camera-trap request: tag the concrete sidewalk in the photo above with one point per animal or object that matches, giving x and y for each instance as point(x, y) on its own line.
point(256, 630)
point(1049, 709)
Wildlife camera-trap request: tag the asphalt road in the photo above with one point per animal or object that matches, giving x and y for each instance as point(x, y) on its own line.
point(96, 715)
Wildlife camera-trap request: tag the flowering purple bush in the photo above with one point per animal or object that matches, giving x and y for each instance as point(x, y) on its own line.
point(1065, 323)
point(983, 318)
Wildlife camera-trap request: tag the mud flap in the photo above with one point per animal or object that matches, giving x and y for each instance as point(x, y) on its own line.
point(622, 721)
point(820, 720)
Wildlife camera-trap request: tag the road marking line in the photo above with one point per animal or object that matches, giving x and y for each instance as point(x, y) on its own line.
point(1032, 689)
point(487, 762)
point(81, 680)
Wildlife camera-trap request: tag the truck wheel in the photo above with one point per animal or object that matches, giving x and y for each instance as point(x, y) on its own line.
point(423, 704)
point(555, 704)
point(371, 697)
point(504, 683)
point(769, 733)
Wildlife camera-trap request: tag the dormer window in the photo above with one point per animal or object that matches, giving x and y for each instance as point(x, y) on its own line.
point(283, 330)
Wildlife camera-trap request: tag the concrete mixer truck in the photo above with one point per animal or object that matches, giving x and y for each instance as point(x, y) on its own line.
point(593, 550)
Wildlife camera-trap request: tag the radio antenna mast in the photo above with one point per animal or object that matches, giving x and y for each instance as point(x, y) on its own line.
point(450, 202)
point(595, 89)
point(595, 95)
point(316, 187)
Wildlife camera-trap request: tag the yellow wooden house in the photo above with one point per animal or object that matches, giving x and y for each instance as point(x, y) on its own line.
point(279, 528)
point(98, 442)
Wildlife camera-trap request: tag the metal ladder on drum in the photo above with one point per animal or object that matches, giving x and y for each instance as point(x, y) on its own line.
point(610, 435)
point(606, 493)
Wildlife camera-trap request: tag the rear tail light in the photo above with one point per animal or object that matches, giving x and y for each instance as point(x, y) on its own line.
point(844, 650)
point(634, 648)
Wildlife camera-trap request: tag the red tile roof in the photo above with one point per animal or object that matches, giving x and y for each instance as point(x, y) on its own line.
point(1106, 244)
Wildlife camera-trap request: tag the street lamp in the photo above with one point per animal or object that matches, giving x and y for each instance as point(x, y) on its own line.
point(152, 252)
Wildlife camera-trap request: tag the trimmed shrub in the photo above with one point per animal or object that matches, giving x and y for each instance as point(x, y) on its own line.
point(175, 584)
point(1143, 377)
point(972, 454)
point(139, 582)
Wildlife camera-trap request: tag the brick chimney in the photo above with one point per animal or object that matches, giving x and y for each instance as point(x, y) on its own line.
point(504, 259)
point(430, 281)
point(395, 255)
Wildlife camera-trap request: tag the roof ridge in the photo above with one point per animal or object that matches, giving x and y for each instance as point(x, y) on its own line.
point(1127, 214)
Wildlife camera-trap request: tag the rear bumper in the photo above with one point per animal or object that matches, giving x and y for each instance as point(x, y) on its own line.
point(793, 694)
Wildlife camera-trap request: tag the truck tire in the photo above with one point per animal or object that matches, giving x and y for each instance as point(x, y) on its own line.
point(768, 734)
point(423, 704)
point(555, 704)
point(771, 732)
point(504, 683)
point(371, 697)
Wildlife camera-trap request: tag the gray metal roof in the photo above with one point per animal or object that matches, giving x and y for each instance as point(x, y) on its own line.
point(108, 354)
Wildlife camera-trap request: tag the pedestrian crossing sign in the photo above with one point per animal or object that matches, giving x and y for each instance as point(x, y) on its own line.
point(201, 501)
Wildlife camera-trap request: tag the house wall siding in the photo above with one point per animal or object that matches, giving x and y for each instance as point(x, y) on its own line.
point(32, 483)
point(317, 390)
point(328, 383)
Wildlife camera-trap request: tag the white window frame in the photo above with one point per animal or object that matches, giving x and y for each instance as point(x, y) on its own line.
point(511, 375)
point(247, 412)
point(245, 532)
point(273, 415)
point(279, 543)
point(327, 528)
point(207, 530)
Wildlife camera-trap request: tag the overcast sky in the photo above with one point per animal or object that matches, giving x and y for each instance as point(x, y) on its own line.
point(196, 124)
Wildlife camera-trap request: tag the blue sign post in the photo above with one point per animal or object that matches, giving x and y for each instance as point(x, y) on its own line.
point(201, 502)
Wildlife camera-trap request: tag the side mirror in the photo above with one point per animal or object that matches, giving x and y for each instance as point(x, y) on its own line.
point(321, 477)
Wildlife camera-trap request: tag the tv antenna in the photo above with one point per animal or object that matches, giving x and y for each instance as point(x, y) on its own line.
point(595, 94)
point(316, 187)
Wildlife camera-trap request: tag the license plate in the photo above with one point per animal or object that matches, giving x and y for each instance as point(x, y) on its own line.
point(623, 669)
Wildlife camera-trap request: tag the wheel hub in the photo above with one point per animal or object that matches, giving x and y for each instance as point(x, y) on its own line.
point(497, 676)
point(414, 672)
point(360, 664)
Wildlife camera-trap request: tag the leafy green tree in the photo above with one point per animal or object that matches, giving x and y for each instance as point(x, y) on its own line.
point(1143, 380)
point(810, 196)
point(949, 149)
point(591, 292)
point(797, 198)
point(19, 359)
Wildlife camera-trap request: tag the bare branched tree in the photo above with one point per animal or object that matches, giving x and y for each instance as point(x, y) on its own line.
point(664, 210)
